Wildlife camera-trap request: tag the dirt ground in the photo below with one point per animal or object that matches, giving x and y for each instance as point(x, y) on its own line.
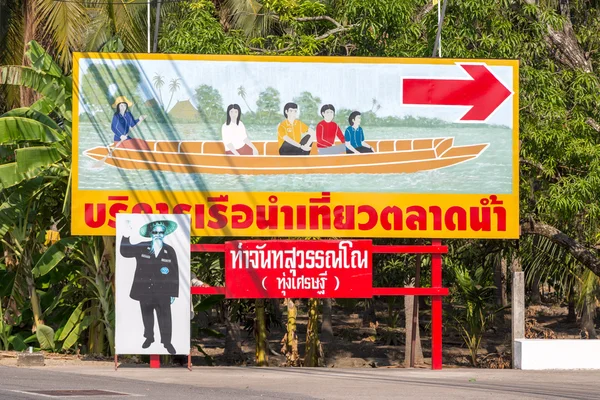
point(356, 346)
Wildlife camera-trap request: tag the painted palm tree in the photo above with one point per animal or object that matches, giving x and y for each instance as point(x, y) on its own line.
point(375, 106)
point(173, 87)
point(159, 81)
point(242, 93)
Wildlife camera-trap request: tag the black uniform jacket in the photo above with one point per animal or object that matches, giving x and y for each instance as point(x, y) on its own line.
point(155, 277)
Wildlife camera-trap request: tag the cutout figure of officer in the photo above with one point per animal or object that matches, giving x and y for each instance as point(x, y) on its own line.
point(156, 279)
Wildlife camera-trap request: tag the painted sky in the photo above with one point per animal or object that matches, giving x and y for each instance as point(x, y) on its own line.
point(344, 85)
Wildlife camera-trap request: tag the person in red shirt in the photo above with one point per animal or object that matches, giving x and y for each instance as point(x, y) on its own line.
point(327, 131)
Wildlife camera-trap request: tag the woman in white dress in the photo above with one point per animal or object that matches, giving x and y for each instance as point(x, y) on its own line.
point(234, 134)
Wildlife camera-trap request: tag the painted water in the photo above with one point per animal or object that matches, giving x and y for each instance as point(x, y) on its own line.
point(490, 173)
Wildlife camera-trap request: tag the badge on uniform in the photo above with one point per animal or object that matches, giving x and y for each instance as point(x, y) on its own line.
point(164, 270)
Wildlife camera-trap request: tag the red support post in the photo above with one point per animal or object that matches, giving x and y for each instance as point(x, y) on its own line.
point(436, 309)
point(154, 361)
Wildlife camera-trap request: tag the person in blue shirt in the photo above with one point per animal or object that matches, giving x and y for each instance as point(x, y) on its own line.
point(122, 122)
point(355, 137)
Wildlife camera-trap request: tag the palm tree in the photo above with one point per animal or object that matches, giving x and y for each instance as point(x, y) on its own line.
point(67, 26)
point(112, 18)
point(173, 87)
point(250, 16)
point(242, 93)
point(159, 82)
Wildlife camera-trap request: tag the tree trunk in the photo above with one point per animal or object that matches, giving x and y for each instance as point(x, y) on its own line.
point(500, 282)
point(96, 331)
point(587, 257)
point(408, 321)
point(233, 339)
point(311, 358)
point(326, 325)
point(260, 332)
point(587, 317)
point(35, 303)
point(290, 340)
point(571, 315)
point(535, 289)
point(36, 308)
point(563, 44)
point(28, 96)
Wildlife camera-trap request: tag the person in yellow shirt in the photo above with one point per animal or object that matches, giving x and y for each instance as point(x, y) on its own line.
point(294, 136)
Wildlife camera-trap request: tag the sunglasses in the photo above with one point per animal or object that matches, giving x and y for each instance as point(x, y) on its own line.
point(158, 232)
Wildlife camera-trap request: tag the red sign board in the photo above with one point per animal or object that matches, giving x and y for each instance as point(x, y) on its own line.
point(298, 269)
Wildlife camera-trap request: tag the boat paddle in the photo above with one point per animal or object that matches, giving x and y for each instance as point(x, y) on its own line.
point(100, 163)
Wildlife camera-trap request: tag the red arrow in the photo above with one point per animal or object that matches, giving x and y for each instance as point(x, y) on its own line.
point(482, 91)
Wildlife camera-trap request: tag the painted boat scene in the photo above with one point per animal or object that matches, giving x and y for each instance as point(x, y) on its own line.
point(247, 126)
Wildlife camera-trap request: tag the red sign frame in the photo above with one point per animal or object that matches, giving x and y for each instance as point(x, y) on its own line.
point(298, 269)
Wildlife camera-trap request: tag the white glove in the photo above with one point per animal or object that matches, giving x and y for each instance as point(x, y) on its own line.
point(123, 137)
point(127, 229)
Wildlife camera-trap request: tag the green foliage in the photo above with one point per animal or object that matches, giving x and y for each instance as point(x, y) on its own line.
point(210, 103)
point(268, 105)
point(473, 297)
point(39, 141)
point(113, 45)
point(309, 107)
point(193, 29)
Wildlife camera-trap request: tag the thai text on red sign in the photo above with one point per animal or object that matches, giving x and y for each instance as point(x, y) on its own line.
point(298, 269)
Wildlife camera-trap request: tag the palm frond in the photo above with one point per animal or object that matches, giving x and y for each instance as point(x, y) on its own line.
point(97, 32)
point(64, 22)
point(131, 25)
point(249, 16)
point(550, 262)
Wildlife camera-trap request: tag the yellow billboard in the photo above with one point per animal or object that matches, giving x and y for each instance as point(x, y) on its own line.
point(297, 146)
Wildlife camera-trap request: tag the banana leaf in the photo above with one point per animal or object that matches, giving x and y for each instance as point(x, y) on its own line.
point(17, 343)
point(53, 256)
point(29, 112)
point(56, 90)
point(74, 320)
point(41, 60)
point(18, 129)
point(45, 336)
point(9, 176)
point(43, 106)
point(30, 159)
point(73, 337)
point(11, 208)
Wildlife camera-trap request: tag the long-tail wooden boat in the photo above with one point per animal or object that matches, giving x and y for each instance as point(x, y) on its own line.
point(208, 157)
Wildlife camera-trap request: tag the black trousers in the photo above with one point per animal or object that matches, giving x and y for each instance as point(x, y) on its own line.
point(163, 313)
point(360, 149)
point(287, 149)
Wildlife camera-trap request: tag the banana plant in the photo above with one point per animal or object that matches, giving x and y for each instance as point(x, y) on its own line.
point(41, 134)
point(95, 277)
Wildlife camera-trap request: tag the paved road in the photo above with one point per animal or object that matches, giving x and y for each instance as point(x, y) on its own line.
point(300, 383)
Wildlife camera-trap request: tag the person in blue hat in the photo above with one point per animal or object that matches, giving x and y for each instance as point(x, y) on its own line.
point(156, 279)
